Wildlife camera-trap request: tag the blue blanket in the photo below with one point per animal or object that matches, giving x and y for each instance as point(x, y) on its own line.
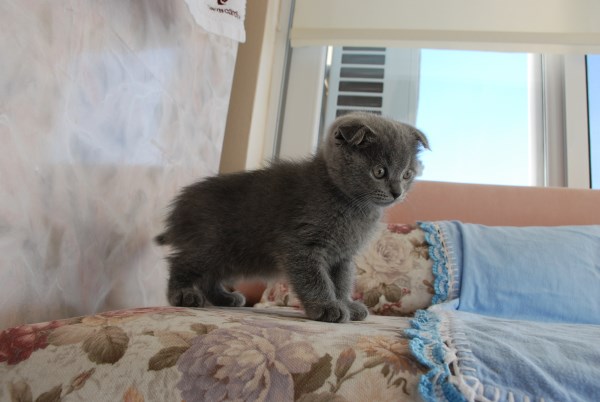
point(547, 274)
point(519, 317)
point(473, 357)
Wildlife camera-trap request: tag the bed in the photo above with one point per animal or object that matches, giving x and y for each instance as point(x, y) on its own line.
point(476, 293)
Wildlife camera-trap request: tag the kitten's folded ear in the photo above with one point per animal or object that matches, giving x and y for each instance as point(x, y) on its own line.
point(353, 134)
point(421, 138)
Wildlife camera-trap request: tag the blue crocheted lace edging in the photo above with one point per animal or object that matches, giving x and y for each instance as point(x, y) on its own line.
point(427, 347)
point(441, 270)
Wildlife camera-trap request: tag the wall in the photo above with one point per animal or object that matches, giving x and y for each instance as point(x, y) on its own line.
point(257, 85)
point(106, 109)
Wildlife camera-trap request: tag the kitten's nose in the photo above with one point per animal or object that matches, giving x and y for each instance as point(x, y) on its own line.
point(396, 195)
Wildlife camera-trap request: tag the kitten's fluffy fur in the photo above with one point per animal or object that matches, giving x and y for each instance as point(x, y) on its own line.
point(304, 220)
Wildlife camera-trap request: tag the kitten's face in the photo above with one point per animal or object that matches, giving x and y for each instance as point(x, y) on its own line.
point(373, 159)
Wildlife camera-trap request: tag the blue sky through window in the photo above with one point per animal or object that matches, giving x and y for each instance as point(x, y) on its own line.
point(474, 108)
point(593, 73)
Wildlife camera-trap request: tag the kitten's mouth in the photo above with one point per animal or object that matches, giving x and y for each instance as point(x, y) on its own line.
point(382, 203)
point(387, 203)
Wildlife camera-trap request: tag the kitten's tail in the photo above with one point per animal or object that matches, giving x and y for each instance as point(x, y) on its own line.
point(161, 239)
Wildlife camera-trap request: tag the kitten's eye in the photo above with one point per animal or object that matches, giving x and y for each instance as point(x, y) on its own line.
point(379, 172)
point(408, 174)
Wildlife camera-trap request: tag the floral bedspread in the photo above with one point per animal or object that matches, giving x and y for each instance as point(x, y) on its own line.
point(174, 354)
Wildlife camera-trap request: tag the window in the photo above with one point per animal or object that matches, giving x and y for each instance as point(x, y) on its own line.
point(474, 107)
point(593, 89)
point(491, 117)
point(562, 148)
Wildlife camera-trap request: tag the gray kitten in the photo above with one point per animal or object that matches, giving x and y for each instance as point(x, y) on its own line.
point(304, 220)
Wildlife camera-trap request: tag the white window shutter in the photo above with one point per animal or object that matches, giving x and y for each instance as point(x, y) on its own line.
point(378, 80)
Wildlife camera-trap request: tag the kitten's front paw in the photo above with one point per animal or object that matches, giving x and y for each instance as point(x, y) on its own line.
point(358, 311)
point(328, 312)
point(186, 297)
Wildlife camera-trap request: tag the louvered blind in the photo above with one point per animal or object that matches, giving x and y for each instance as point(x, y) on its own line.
point(373, 79)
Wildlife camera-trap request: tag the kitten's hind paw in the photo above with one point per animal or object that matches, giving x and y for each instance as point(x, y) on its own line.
point(224, 298)
point(186, 297)
point(235, 299)
point(358, 311)
point(328, 312)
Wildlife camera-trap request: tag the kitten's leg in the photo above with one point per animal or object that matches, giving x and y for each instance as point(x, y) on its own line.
point(342, 276)
point(217, 295)
point(194, 279)
point(181, 290)
point(314, 288)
